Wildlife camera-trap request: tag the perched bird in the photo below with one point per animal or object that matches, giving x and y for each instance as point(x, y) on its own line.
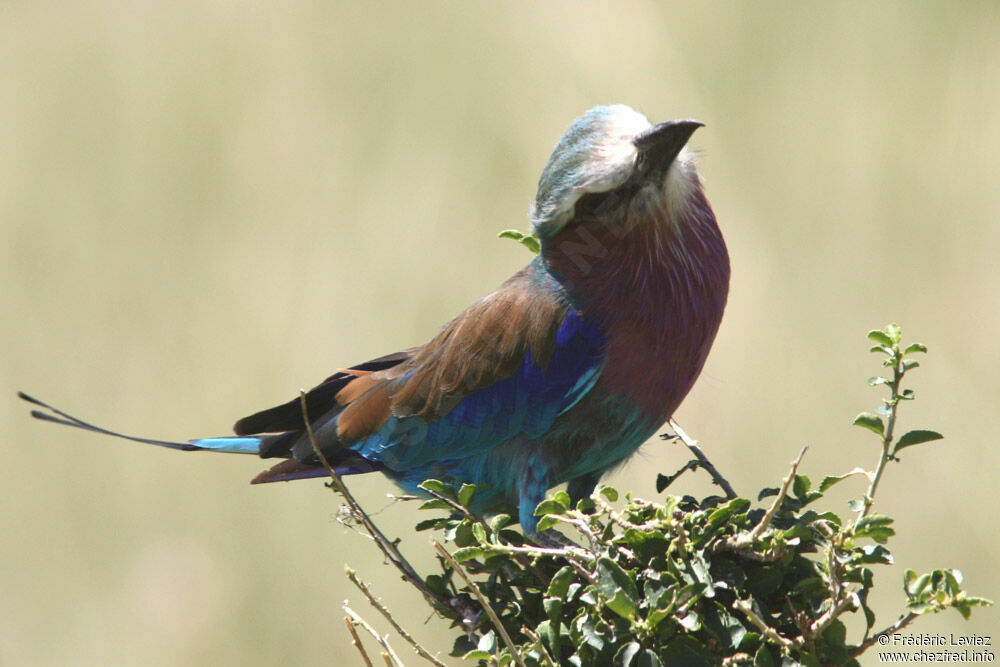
point(559, 374)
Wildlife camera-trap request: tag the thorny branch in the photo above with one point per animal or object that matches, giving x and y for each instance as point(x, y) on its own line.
point(703, 460)
point(355, 619)
point(363, 587)
point(387, 547)
point(501, 630)
point(889, 631)
point(356, 641)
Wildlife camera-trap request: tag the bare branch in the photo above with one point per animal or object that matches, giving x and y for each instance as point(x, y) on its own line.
point(770, 633)
point(357, 641)
point(384, 544)
point(891, 630)
point(363, 587)
point(388, 653)
point(703, 460)
point(501, 630)
point(765, 523)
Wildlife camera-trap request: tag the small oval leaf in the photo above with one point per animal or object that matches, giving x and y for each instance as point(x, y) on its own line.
point(916, 437)
point(880, 337)
point(870, 421)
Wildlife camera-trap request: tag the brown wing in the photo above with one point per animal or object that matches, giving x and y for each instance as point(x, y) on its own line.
point(483, 345)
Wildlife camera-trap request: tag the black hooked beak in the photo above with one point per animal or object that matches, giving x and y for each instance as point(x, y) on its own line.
point(659, 146)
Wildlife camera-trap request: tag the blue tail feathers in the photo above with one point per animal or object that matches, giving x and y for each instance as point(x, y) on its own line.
point(240, 445)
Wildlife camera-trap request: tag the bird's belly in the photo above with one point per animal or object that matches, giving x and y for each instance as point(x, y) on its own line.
point(595, 435)
point(598, 433)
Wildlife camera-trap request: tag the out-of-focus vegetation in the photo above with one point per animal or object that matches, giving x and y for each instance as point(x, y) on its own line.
point(204, 207)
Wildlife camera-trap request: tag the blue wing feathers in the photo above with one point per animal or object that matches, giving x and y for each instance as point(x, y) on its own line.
point(524, 404)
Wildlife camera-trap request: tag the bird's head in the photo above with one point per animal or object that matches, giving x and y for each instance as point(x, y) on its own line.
point(608, 148)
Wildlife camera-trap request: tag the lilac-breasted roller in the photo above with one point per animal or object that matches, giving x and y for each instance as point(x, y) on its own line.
point(559, 374)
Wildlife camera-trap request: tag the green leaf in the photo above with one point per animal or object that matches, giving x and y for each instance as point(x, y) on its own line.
point(880, 337)
point(476, 654)
point(872, 553)
point(953, 581)
point(488, 642)
point(916, 437)
point(763, 657)
point(875, 526)
point(627, 653)
point(965, 605)
point(498, 522)
point(649, 659)
point(877, 380)
point(894, 333)
point(919, 586)
point(480, 533)
point(559, 584)
point(609, 492)
point(915, 347)
point(830, 480)
point(435, 504)
point(465, 494)
point(856, 505)
point(909, 579)
point(563, 499)
point(439, 487)
point(870, 421)
point(427, 524)
point(723, 514)
point(549, 632)
point(801, 485)
point(909, 364)
point(549, 506)
point(553, 608)
point(617, 587)
point(468, 553)
point(547, 522)
point(768, 492)
point(529, 241)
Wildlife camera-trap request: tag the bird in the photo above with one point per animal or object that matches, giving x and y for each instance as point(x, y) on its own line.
point(559, 374)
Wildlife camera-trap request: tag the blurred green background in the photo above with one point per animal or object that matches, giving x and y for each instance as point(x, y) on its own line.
point(205, 206)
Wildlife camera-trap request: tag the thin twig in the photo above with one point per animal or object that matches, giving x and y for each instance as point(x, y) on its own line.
point(356, 619)
point(363, 587)
point(567, 552)
point(820, 624)
point(759, 529)
point(889, 631)
point(533, 636)
point(384, 544)
point(703, 460)
point(769, 632)
point(357, 641)
point(693, 464)
point(501, 630)
point(893, 403)
point(743, 543)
